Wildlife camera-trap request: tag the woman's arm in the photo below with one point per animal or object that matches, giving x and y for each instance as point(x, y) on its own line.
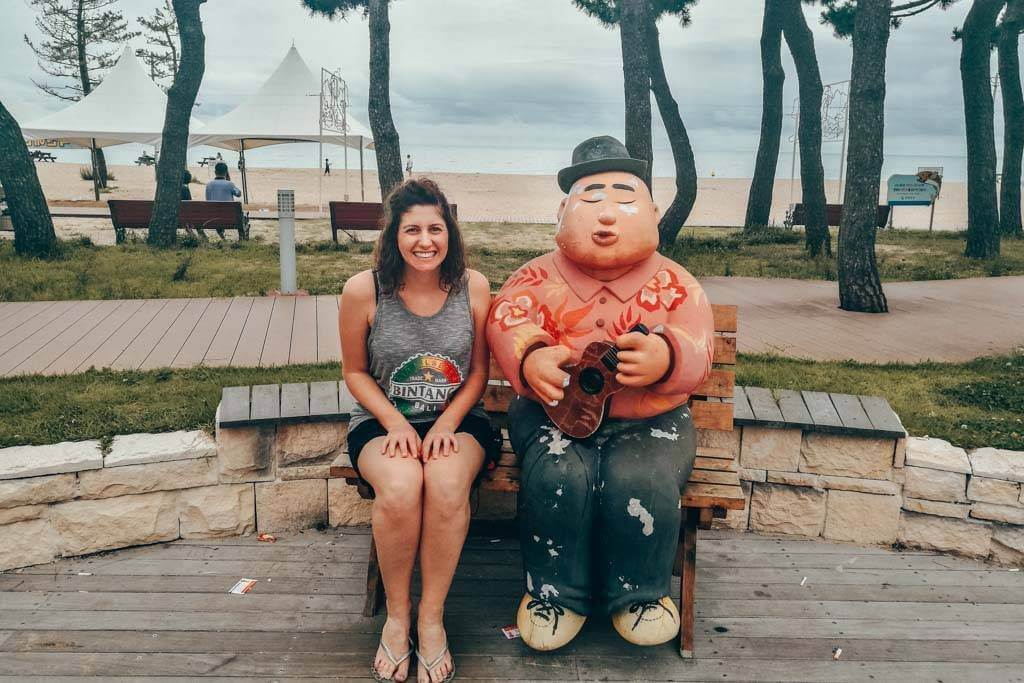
point(357, 303)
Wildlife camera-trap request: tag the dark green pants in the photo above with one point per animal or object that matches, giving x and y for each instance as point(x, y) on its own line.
point(599, 517)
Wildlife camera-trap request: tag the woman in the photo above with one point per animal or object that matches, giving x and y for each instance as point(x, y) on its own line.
point(414, 357)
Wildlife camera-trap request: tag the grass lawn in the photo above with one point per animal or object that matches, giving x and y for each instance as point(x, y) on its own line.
point(979, 403)
point(134, 270)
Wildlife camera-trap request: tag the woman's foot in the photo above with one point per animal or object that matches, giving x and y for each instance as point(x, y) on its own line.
point(432, 650)
point(392, 660)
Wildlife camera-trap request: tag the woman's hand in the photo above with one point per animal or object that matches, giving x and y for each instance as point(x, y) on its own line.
point(439, 441)
point(402, 441)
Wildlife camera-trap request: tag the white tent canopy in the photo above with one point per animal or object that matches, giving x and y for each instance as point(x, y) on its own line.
point(126, 107)
point(286, 108)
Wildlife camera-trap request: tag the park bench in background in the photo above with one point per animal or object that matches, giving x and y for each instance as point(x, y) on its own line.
point(347, 216)
point(714, 487)
point(137, 214)
point(797, 215)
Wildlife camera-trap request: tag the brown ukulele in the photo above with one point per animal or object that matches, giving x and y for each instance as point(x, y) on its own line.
point(591, 383)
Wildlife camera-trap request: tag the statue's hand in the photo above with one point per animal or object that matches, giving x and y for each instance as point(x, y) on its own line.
point(643, 359)
point(542, 371)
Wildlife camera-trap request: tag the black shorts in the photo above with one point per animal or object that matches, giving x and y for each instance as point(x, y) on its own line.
point(476, 426)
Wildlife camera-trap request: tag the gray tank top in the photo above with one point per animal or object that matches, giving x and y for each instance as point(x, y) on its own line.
point(419, 362)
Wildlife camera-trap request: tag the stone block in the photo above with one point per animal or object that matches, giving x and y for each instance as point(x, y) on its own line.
point(27, 543)
point(1011, 537)
point(793, 479)
point(19, 462)
point(846, 456)
point(345, 507)
point(489, 504)
point(996, 491)
point(245, 454)
point(291, 505)
point(877, 486)
point(899, 454)
point(747, 474)
point(1006, 556)
point(998, 463)
point(934, 507)
point(217, 511)
point(88, 526)
point(737, 519)
point(862, 517)
point(942, 533)
point(787, 510)
point(51, 489)
point(159, 476)
point(936, 454)
point(138, 449)
point(716, 438)
point(304, 472)
point(21, 514)
point(998, 513)
point(765, 448)
point(306, 441)
point(930, 484)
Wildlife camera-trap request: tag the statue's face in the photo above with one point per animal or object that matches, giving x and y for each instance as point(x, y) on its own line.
point(608, 221)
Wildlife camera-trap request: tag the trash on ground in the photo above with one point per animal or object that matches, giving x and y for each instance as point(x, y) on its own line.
point(803, 581)
point(267, 538)
point(85, 573)
point(837, 653)
point(243, 586)
point(1015, 569)
point(495, 540)
point(511, 632)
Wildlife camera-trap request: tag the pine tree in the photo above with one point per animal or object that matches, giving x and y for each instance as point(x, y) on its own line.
point(1013, 118)
point(161, 32)
point(33, 227)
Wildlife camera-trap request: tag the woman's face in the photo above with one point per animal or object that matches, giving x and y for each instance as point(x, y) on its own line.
point(423, 237)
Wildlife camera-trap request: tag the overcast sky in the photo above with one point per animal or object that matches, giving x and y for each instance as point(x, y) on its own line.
point(538, 73)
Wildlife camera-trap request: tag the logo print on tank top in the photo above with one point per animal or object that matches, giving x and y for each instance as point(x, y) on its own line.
point(424, 383)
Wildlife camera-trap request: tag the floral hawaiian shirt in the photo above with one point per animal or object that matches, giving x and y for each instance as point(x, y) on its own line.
point(551, 301)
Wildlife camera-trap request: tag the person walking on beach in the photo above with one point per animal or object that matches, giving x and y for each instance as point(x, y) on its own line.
point(414, 356)
point(327, 167)
point(408, 165)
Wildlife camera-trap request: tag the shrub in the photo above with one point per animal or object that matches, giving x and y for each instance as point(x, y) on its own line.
point(86, 173)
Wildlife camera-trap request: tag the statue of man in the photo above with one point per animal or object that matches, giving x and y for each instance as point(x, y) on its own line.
point(600, 516)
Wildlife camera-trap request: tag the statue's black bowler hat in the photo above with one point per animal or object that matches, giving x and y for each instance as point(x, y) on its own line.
point(596, 155)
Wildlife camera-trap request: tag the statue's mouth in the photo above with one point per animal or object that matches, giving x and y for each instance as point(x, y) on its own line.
point(605, 238)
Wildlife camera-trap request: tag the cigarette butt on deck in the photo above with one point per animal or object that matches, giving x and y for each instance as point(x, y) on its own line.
point(803, 581)
point(837, 653)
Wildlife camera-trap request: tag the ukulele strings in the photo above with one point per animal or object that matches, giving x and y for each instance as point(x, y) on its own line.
point(610, 358)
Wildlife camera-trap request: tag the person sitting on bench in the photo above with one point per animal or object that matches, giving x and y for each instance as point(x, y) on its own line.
point(220, 189)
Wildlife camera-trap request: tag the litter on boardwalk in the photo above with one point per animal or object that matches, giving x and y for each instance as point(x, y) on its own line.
point(267, 538)
point(243, 586)
point(511, 632)
point(803, 581)
point(837, 653)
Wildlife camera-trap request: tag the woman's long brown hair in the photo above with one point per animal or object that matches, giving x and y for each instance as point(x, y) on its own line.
point(388, 261)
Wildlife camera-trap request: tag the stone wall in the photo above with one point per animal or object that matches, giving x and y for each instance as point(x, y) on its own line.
point(73, 499)
point(914, 492)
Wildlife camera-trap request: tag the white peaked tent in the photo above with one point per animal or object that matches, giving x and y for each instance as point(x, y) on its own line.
point(126, 107)
point(285, 109)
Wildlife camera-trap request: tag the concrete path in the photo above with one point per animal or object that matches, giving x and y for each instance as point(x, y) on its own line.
point(940, 320)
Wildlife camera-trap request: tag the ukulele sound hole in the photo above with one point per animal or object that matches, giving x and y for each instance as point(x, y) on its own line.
point(591, 380)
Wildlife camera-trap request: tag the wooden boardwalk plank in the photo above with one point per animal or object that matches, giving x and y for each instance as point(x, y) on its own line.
point(165, 351)
point(136, 351)
point(115, 345)
point(196, 346)
point(224, 343)
point(234, 405)
point(741, 406)
point(277, 345)
point(25, 331)
point(819, 405)
point(791, 403)
point(254, 333)
point(850, 411)
point(14, 357)
point(304, 332)
point(766, 410)
point(19, 312)
point(56, 347)
point(71, 359)
point(323, 398)
point(9, 308)
point(295, 400)
point(328, 343)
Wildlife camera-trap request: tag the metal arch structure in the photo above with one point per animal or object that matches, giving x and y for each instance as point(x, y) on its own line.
point(334, 118)
point(835, 118)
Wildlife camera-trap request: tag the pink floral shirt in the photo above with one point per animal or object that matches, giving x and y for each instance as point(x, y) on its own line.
point(551, 301)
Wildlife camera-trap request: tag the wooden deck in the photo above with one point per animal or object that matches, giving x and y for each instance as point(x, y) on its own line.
point(164, 611)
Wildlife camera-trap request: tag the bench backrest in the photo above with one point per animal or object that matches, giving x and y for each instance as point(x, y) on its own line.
point(362, 215)
point(138, 213)
point(834, 215)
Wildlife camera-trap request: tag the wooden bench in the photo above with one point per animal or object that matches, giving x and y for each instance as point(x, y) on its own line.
point(138, 213)
point(713, 489)
point(797, 215)
point(347, 216)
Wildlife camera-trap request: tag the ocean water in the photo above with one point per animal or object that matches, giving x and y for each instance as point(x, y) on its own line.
point(724, 163)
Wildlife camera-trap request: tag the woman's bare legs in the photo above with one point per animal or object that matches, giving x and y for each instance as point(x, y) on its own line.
point(397, 508)
point(446, 485)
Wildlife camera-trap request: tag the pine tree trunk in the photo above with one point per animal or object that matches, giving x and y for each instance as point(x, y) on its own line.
point(33, 227)
point(163, 229)
point(812, 174)
point(976, 77)
point(636, 79)
point(101, 167)
point(673, 219)
point(759, 202)
point(860, 288)
point(1013, 115)
point(385, 135)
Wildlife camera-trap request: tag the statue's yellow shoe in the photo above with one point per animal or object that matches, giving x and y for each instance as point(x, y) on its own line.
point(648, 623)
point(544, 626)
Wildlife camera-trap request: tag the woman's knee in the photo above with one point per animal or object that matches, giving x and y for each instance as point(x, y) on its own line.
point(397, 485)
point(447, 480)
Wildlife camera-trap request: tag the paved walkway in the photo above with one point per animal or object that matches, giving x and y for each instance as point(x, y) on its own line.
point(940, 320)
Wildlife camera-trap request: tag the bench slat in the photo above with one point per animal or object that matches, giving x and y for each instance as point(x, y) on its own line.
point(819, 405)
point(295, 400)
point(714, 477)
point(881, 414)
point(766, 410)
point(725, 351)
point(712, 415)
point(725, 317)
point(719, 383)
point(791, 403)
point(850, 411)
point(234, 405)
point(718, 464)
point(323, 398)
point(266, 402)
point(741, 406)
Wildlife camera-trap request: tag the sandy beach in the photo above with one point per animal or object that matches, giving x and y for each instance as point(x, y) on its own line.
point(480, 197)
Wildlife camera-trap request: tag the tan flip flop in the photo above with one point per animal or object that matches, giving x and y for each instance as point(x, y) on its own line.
point(391, 657)
point(431, 665)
